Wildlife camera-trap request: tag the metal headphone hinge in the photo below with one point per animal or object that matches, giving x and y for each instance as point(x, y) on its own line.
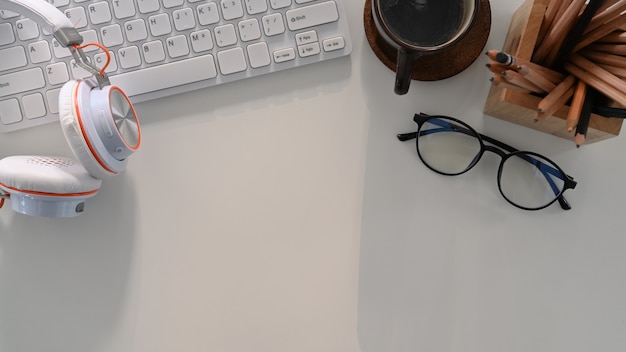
point(82, 61)
point(70, 38)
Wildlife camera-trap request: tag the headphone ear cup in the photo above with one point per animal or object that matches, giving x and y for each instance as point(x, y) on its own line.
point(74, 113)
point(46, 186)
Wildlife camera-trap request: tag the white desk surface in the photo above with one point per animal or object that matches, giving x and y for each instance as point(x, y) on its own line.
point(281, 214)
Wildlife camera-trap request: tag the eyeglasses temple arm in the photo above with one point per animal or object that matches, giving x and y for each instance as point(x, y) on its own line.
point(403, 137)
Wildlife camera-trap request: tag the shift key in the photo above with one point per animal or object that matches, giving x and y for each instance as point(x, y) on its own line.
point(314, 15)
point(22, 81)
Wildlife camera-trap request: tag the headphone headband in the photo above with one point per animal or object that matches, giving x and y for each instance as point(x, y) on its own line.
point(47, 16)
point(42, 12)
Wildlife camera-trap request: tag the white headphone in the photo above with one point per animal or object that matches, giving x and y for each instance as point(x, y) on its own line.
point(99, 124)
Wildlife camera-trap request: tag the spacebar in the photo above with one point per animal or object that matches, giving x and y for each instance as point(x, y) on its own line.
point(166, 76)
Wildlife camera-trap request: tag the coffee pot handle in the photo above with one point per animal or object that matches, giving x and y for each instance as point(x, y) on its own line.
point(404, 70)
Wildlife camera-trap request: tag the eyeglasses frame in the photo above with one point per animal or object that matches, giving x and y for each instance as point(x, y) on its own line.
point(505, 152)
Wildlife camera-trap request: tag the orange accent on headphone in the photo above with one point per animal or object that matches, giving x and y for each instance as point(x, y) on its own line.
point(38, 193)
point(82, 131)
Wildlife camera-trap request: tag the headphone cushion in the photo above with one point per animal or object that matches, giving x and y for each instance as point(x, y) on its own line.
point(46, 176)
point(73, 132)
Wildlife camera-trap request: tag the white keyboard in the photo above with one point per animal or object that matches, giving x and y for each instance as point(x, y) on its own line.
point(163, 47)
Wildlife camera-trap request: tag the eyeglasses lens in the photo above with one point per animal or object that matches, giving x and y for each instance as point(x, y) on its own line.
point(447, 147)
point(530, 181)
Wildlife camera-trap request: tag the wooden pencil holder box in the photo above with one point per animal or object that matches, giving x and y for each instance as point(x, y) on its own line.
point(518, 107)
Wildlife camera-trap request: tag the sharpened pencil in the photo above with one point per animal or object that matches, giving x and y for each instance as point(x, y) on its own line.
point(576, 107)
point(553, 96)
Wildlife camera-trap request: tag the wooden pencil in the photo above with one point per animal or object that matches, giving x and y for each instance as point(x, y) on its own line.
point(496, 67)
point(556, 93)
point(492, 54)
point(593, 81)
point(599, 72)
point(536, 78)
point(507, 59)
point(615, 37)
point(605, 58)
point(617, 71)
point(576, 106)
point(585, 117)
point(516, 78)
point(498, 80)
point(615, 49)
point(557, 34)
point(548, 18)
point(558, 103)
point(606, 15)
point(561, 52)
point(600, 32)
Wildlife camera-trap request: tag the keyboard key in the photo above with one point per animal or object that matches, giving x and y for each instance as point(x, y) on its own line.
point(77, 71)
point(59, 3)
point(333, 44)
point(39, 51)
point(249, 30)
point(101, 59)
point(314, 15)
point(153, 51)
point(177, 46)
point(172, 3)
point(279, 4)
point(34, 106)
point(231, 61)
point(123, 8)
point(78, 17)
point(57, 73)
point(225, 35)
point(90, 36)
point(136, 30)
point(27, 29)
point(256, 6)
point(147, 6)
point(111, 35)
point(100, 12)
point(259, 55)
point(59, 51)
point(284, 55)
point(208, 14)
point(6, 34)
point(183, 19)
point(6, 14)
point(273, 24)
point(12, 58)
point(22, 81)
point(52, 96)
point(129, 57)
point(309, 49)
point(306, 37)
point(201, 41)
point(167, 75)
point(160, 24)
point(10, 111)
point(231, 9)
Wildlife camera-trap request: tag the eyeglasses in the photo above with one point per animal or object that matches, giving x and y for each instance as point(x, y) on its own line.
point(527, 180)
